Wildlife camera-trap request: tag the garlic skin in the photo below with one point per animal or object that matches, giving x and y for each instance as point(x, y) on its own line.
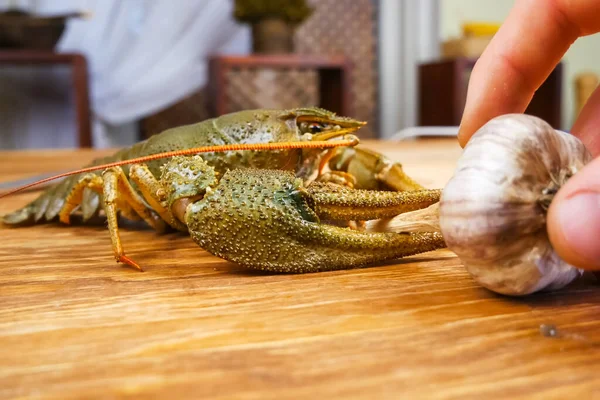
point(492, 212)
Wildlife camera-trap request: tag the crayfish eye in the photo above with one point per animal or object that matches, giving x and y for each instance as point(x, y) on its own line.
point(315, 128)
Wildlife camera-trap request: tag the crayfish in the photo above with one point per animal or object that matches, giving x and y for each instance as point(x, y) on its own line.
point(259, 195)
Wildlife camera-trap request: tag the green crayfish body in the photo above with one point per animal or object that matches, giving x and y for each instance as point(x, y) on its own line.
point(265, 210)
point(249, 126)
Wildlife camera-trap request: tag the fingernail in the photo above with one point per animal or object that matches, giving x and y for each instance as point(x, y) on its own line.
point(579, 218)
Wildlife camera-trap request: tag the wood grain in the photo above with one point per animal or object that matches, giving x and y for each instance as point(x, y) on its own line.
point(73, 324)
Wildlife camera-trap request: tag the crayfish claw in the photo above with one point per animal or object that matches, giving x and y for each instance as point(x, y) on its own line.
point(267, 220)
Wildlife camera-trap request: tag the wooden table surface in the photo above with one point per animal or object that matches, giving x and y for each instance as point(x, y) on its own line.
point(73, 324)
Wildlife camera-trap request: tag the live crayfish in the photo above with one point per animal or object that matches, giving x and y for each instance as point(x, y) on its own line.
point(261, 209)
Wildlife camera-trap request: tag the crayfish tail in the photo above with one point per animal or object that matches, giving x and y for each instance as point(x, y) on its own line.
point(21, 217)
point(45, 207)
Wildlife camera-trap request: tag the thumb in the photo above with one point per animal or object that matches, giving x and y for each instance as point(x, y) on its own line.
point(574, 218)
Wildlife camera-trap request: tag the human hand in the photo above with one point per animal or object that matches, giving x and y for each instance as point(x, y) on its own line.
point(528, 46)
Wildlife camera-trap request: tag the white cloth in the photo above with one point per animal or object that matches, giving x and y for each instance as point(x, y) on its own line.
point(143, 55)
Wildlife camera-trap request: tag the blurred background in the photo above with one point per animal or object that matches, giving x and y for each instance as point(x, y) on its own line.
point(107, 73)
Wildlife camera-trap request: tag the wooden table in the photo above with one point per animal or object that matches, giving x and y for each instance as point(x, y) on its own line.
point(75, 325)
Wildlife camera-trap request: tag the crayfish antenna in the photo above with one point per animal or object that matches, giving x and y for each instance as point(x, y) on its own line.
point(350, 140)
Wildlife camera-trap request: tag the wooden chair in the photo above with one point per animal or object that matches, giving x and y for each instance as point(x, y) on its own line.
point(80, 82)
point(334, 75)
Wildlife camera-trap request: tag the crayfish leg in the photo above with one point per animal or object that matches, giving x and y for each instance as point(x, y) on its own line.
point(340, 178)
point(154, 194)
point(116, 188)
point(75, 196)
point(372, 170)
point(118, 196)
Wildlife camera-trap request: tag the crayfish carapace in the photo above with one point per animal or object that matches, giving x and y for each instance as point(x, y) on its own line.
point(261, 197)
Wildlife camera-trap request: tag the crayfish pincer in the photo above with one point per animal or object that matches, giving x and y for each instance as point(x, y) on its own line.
point(266, 219)
point(272, 190)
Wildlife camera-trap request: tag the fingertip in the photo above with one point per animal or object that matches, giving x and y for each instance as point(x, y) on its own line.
point(461, 137)
point(587, 125)
point(569, 242)
point(520, 57)
point(573, 221)
point(469, 125)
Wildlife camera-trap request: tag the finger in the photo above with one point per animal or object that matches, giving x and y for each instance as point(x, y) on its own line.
point(587, 126)
point(522, 54)
point(574, 219)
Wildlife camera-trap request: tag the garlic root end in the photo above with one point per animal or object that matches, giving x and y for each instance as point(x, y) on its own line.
point(423, 220)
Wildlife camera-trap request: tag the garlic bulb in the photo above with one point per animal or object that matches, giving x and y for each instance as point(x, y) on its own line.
point(492, 213)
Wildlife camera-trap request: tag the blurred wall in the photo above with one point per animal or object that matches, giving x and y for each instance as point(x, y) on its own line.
point(583, 56)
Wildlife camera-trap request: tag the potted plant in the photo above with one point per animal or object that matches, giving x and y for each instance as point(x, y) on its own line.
point(273, 22)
